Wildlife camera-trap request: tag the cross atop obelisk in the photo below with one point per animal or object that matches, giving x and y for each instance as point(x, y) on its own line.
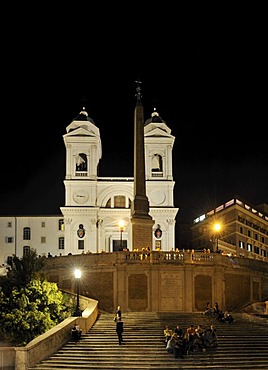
point(142, 222)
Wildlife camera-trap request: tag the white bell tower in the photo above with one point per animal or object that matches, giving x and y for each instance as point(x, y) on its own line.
point(83, 153)
point(159, 180)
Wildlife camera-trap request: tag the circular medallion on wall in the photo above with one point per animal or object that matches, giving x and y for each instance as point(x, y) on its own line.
point(80, 196)
point(157, 196)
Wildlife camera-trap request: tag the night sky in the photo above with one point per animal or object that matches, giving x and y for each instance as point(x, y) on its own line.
point(209, 91)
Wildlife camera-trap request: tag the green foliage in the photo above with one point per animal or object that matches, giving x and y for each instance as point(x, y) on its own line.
point(30, 305)
point(25, 269)
point(31, 311)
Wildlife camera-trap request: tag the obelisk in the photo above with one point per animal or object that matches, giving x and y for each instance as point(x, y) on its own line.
point(142, 222)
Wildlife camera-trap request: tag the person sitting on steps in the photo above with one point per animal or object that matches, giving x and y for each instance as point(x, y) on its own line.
point(210, 337)
point(76, 333)
point(174, 346)
point(208, 309)
point(167, 334)
point(216, 309)
point(228, 317)
point(178, 330)
point(220, 316)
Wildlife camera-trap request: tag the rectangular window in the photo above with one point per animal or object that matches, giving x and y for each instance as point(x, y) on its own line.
point(43, 239)
point(61, 243)
point(61, 225)
point(26, 233)
point(249, 233)
point(43, 224)
point(158, 244)
point(9, 224)
point(241, 244)
point(249, 247)
point(81, 244)
point(9, 239)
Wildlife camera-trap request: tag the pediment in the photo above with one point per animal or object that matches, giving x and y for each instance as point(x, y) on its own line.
point(151, 131)
point(81, 131)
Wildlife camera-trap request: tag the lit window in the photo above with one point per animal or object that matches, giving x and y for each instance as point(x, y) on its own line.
point(119, 201)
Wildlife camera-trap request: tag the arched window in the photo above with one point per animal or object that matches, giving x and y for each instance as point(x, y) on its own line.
point(26, 250)
point(157, 163)
point(119, 201)
point(81, 162)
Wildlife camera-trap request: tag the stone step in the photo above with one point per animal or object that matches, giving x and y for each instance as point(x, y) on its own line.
point(242, 345)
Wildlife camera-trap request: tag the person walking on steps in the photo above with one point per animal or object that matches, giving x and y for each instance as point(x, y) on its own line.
point(119, 312)
point(119, 330)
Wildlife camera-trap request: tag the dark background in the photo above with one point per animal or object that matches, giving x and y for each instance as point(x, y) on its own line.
point(206, 83)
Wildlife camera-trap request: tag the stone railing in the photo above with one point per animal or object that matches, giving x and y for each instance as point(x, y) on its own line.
point(156, 257)
point(134, 257)
point(21, 358)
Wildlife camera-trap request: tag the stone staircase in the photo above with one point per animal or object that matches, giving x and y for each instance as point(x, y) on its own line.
point(242, 345)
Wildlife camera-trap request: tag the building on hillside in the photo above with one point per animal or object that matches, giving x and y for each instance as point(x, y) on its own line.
point(235, 228)
point(96, 214)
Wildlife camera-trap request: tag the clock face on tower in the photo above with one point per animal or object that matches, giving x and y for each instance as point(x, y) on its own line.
point(80, 196)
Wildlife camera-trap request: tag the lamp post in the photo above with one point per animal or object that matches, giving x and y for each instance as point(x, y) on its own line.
point(121, 226)
point(217, 229)
point(77, 274)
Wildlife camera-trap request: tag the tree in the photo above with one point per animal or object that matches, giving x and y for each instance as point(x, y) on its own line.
point(30, 305)
point(26, 268)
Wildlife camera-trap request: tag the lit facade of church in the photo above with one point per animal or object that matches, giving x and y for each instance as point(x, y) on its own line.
point(97, 211)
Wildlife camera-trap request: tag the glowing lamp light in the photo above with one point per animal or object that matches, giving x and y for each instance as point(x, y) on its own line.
point(77, 274)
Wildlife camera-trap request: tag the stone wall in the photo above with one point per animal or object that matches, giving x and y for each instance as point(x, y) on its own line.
point(162, 281)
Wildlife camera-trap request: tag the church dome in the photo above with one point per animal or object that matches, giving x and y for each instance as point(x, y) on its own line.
point(83, 116)
point(155, 118)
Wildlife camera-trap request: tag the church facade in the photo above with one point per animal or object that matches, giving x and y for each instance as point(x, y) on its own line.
point(96, 216)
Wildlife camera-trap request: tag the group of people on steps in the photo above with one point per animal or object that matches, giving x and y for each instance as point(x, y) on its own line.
point(220, 315)
point(180, 343)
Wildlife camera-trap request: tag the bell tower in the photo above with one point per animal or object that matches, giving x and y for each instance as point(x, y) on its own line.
point(83, 153)
point(159, 180)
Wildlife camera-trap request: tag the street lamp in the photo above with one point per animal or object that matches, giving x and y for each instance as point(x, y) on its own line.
point(121, 226)
point(77, 274)
point(217, 229)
